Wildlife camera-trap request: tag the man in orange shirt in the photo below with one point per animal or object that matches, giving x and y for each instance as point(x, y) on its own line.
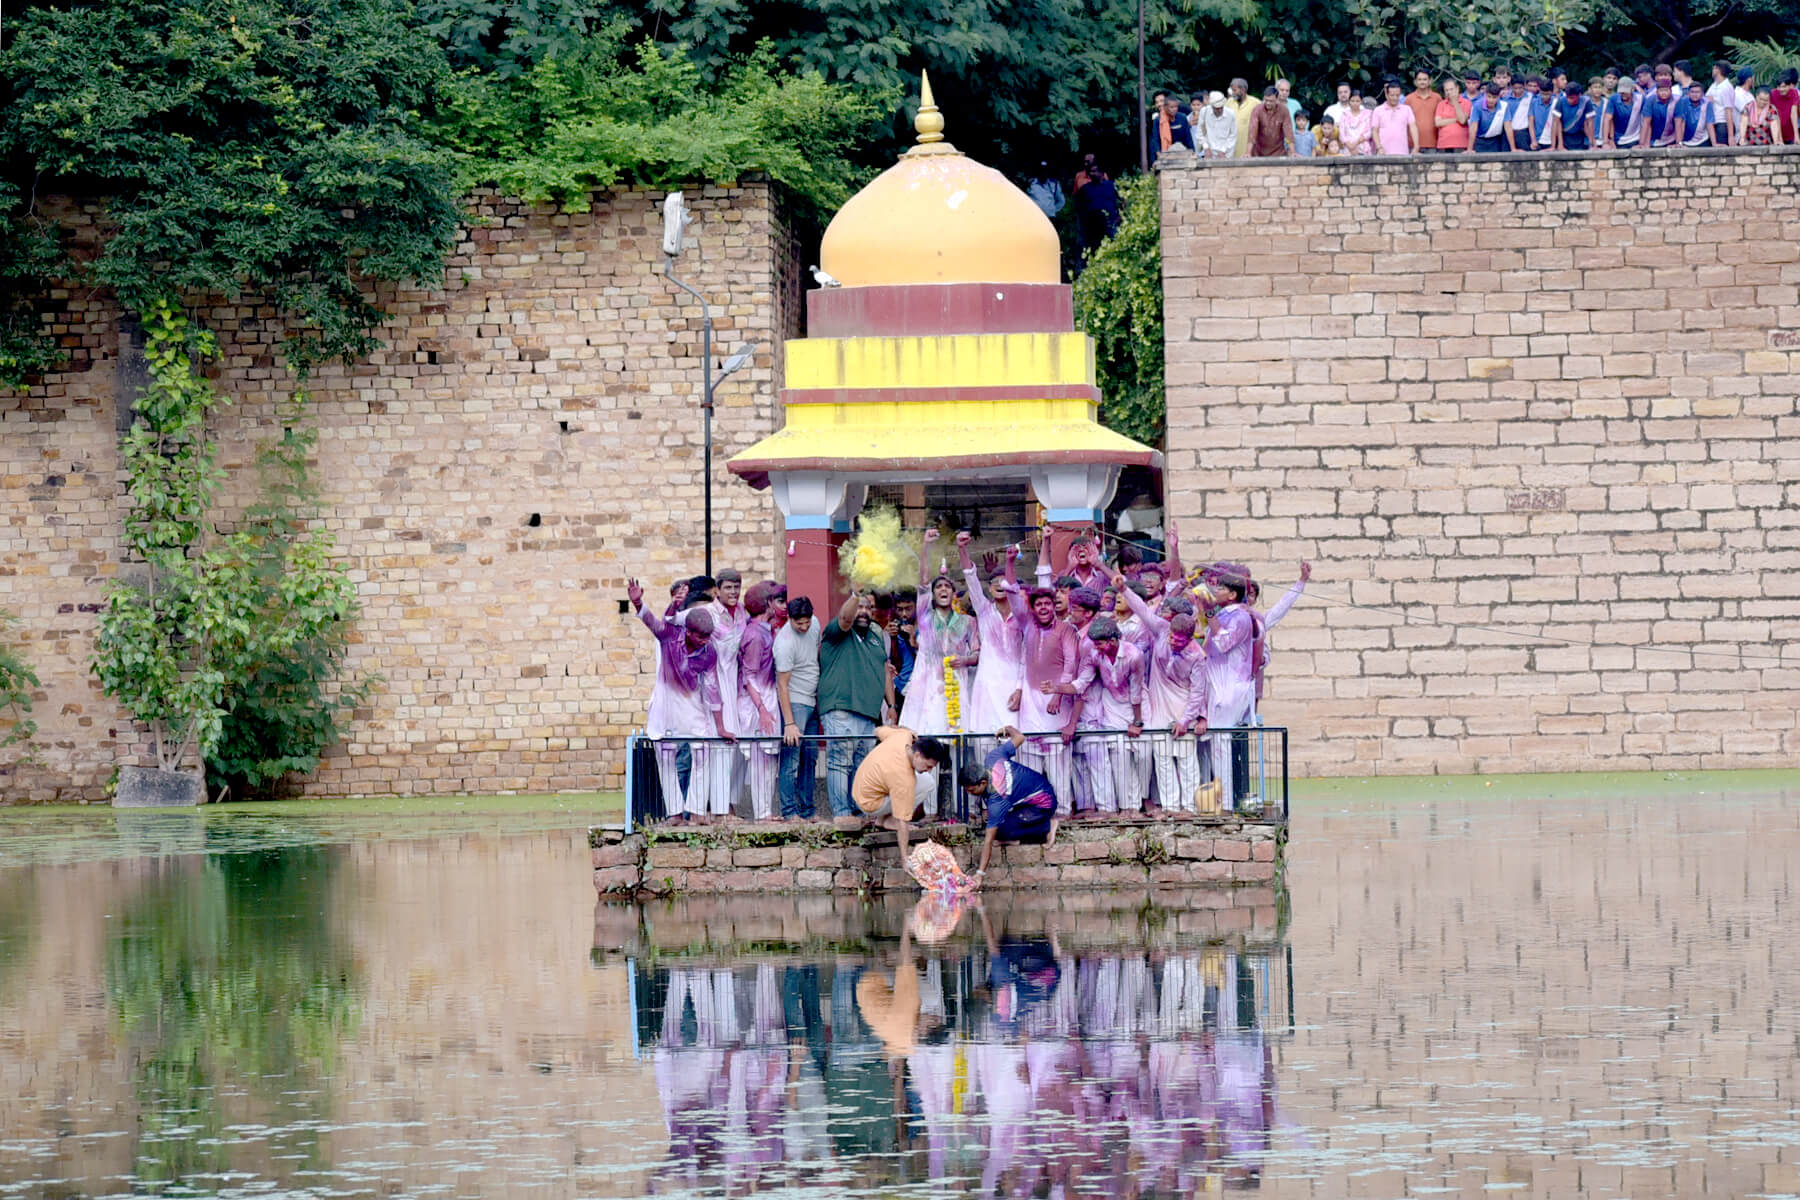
point(1424, 103)
point(885, 783)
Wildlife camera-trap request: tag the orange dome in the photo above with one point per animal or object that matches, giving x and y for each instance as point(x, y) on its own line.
point(937, 216)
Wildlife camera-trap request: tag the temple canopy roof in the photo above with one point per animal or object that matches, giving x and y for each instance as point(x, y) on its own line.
point(952, 350)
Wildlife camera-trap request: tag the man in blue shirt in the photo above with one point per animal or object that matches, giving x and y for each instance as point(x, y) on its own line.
point(1694, 117)
point(1659, 114)
point(1021, 805)
point(1577, 118)
point(1489, 118)
point(1622, 118)
point(1545, 114)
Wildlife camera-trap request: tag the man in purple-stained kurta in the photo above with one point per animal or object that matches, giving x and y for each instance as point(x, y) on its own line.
point(1233, 650)
point(684, 703)
point(1116, 768)
point(759, 708)
point(1172, 675)
point(729, 617)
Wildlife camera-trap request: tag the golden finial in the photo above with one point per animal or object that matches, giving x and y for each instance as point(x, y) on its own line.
point(929, 122)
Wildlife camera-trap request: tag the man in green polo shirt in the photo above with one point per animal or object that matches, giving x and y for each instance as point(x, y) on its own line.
point(852, 686)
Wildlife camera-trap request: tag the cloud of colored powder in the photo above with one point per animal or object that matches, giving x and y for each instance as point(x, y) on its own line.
point(880, 557)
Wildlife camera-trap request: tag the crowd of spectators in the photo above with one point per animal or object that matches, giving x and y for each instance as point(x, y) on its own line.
point(1654, 106)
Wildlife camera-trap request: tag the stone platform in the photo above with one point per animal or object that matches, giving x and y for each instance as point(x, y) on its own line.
point(724, 931)
point(843, 856)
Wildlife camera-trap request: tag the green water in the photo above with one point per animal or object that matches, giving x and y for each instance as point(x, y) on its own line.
point(78, 833)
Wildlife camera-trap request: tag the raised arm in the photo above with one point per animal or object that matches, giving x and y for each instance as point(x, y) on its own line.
point(634, 591)
point(847, 614)
point(931, 537)
point(1172, 552)
point(1288, 598)
point(1015, 600)
point(1155, 624)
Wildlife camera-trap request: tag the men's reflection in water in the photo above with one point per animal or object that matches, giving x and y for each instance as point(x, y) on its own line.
point(1002, 1067)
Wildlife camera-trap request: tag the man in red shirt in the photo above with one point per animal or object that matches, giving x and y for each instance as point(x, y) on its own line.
point(1424, 104)
point(1786, 99)
point(1271, 132)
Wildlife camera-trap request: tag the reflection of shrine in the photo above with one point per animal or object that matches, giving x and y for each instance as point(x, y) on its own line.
point(1000, 1050)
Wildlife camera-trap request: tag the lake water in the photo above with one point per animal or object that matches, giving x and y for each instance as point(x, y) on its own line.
point(1581, 990)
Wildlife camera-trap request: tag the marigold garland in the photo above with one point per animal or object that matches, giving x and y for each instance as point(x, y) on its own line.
point(952, 696)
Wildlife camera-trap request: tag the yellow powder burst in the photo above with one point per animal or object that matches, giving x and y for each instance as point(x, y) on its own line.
point(879, 557)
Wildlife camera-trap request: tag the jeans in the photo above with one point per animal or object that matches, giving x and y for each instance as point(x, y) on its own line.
point(800, 766)
point(853, 736)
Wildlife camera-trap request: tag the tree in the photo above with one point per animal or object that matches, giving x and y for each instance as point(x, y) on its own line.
point(601, 114)
point(240, 146)
point(1119, 303)
point(200, 618)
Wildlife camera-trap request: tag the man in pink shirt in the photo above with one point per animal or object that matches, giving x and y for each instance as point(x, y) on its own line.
point(759, 708)
point(1396, 129)
point(1051, 649)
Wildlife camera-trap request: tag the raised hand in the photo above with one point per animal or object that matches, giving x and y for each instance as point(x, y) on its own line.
point(931, 535)
point(1012, 553)
point(634, 591)
point(990, 562)
point(962, 539)
point(1305, 571)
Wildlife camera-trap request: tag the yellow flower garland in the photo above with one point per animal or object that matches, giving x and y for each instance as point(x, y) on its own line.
point(952, 696)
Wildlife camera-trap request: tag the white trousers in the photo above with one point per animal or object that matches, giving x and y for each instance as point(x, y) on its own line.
point(675, 803)
point(1177, 771)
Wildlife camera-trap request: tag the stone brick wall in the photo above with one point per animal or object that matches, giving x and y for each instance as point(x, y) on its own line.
point(1534, 421)
point(1117, 852)
point(527, 440)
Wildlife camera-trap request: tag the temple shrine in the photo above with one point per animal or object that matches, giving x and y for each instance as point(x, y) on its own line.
point(945, 351)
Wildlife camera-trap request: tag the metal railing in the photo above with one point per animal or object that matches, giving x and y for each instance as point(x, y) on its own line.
point(1249, 762)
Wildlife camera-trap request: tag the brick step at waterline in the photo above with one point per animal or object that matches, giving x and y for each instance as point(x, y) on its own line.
point(843, 856)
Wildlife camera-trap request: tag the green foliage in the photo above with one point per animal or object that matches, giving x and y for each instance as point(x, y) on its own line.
point(29, 259)
point(1445, 35)
point(205, 617)
point(285, 713)
point(1768, 58)
point(242, 145)
point(16, 681)
point(1119, 303)
point(602, 115)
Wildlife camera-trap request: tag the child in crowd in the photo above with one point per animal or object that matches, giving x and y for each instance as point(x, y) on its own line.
point(1326, 137)
point(1305, 142)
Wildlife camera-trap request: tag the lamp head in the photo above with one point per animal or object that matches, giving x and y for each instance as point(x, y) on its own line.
point(675, 223)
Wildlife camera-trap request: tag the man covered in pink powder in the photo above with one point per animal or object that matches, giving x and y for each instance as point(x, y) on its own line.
point(1051, 650)
point(729, 618)
point(759, 708)
point(1172, 675)
point(997, 665)
point(1114, 769)
point(684, 702)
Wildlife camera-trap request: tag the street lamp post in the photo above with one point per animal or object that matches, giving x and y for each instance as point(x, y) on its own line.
point(675, 222)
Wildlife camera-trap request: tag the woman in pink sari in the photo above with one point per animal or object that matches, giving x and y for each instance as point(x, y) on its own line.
point(1357, 129)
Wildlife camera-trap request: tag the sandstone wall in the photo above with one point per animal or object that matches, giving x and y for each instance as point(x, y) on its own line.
point(527, 440)
point(1534, 421)
point(1126, 851)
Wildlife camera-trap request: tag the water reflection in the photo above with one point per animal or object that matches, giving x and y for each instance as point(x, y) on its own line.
point(1579, 996)
point(990, 1059)
point(228, 977)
